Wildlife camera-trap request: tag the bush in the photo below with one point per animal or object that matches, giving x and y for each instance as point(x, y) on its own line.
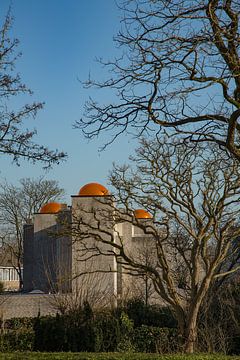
point(107, 332)
point(50, 334)
point(126, 327)
point(77, 331)
point(84, 331)
point(18, 335)
point(150, 315)
point(21, 340)
point(153, 339)
point(19, 323)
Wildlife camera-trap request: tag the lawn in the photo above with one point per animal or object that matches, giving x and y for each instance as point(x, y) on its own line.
point(110, 356)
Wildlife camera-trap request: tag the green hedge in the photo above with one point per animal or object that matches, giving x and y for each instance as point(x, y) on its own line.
point(155, 340)
point(85, 331)
point(151, 315)
point(102, 332)
point(106, 332)
point(21, 340)
point(19, 323)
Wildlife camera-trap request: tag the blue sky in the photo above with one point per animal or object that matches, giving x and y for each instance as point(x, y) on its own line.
point(59, 41)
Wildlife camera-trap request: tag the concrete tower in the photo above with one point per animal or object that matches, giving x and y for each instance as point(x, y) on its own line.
point(64, 250)
point(93, 266)
point(28, 257)
point(47, 256)
point(140, 248)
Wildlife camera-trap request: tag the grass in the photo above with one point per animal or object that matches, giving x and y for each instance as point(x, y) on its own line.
point(110, 356)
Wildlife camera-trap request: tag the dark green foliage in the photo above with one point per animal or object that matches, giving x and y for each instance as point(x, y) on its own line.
point(20, 340)
point(82, 326)
point(102, 332)
point(126, 330)
point(77, 331)
point(50, 334)
point(126, 334)
point(18, 335)
point(153, 339)
point(235, 345)
point(37, 332)
point(107, 332)
point(83, 330)
point(151, 315)
point(19, 323)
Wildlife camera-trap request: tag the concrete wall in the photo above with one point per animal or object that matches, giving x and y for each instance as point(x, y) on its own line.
point(45, 251)
point(28, 259)
point(91, 213)
point(141, 248)
point(47, 255)
point(26, 305)
point(76, 261)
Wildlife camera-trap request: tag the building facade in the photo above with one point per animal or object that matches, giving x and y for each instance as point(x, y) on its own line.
point(55, 260)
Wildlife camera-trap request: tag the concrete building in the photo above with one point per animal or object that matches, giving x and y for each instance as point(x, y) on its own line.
point(56, 261)
point(9, 278)
point(9, 271)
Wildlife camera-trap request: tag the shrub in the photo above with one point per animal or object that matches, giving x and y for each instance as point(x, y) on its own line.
point(151, 315)
point(153, 339)
point(82, 331)
point(79, 331)
point(126, 328)
point(50, 334)
point(107, 332)
point(19, 323)
point(21, 340)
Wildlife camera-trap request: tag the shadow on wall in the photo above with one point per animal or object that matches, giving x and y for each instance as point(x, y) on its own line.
point(47, 259)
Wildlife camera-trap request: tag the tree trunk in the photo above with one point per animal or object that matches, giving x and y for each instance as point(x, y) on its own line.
point(20, 287)
point(191, 330)
point(20, 283)
point(187, 323)
point(190, 338)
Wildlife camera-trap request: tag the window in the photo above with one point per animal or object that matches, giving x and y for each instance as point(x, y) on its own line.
point(8, 274)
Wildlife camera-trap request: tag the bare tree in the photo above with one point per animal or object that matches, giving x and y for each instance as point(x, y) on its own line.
point(179, 73)
point(17, 206)
point(141, 289)
point(194, 203)
point(219, 319)
point(15, 139)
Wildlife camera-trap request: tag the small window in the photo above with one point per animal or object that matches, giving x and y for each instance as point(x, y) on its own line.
point(5, 274)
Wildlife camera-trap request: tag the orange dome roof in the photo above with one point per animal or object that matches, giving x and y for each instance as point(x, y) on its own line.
point(93, 189)
point(142, 214)
point(50, 208)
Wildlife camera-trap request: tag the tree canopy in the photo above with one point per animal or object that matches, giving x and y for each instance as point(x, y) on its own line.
point(179, 73)
point(17, 206)
point(192, 237)
point(16, 140)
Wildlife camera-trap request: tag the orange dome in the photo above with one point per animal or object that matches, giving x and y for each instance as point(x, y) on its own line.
point(142, 214)
point(93, 189)
point(51, 208)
